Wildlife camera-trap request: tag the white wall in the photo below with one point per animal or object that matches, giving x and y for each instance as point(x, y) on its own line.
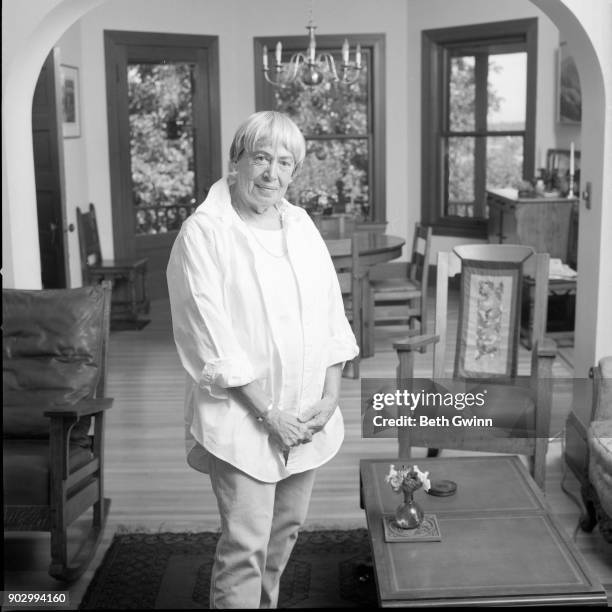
point(586, 27)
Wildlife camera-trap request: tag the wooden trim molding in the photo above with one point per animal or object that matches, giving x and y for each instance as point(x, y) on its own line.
point(435, 46)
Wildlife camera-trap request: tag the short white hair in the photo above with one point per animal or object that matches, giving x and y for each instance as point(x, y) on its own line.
point(271, 126)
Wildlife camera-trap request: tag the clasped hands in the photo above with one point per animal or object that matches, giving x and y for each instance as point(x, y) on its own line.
point(287, 430)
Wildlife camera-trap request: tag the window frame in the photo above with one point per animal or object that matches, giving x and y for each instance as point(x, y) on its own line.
point(123, 47)
point(437, 46)
point(375, 44)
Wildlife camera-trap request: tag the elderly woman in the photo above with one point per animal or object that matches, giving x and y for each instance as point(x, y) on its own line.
point(260, 328)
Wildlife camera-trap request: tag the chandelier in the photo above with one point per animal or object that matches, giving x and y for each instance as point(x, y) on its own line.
point(310, 68)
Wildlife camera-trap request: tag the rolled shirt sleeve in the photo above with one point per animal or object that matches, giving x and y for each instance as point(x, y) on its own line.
point(207, 345)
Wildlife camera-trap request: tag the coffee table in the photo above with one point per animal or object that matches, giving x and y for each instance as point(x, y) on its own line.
point(500, 543)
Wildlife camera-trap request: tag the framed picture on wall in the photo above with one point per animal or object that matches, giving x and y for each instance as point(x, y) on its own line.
point(569, 96)
point(71, 109)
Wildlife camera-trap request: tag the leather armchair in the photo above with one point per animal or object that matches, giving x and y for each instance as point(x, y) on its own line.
point(598, 494)
point(54, 374)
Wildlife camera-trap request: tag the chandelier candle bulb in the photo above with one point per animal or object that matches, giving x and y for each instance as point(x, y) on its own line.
point(345, 51)
point(309, 69)
point(572, 158)
point(265, 57)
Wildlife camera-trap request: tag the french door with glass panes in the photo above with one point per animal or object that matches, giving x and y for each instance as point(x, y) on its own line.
point(163, 112)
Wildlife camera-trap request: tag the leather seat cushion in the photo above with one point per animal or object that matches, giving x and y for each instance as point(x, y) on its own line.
point(52, 346)
point(26, 470)
point(512, 407)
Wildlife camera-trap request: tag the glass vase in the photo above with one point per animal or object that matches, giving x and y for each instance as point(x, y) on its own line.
point(408, 515)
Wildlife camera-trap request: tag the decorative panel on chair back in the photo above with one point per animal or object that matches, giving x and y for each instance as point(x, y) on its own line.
point(489, 308)
point(489, 313)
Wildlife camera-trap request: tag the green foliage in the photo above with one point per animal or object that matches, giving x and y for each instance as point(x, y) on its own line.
point(330, 117)
point(504, 154)
point(161, 134)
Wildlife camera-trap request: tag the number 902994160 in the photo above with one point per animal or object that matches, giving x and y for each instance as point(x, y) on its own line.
point(35, 598)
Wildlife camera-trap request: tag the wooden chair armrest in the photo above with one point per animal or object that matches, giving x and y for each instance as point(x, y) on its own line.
point(84, 407)
point(413, 343)
point(542, 356)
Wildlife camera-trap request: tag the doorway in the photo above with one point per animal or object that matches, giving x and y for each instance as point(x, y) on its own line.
point(48, 174)
point(164, 140)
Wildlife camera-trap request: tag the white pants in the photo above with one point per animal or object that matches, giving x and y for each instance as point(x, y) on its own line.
point(259, 527)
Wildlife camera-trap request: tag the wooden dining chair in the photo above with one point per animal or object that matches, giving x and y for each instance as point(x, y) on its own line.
point(127, 275)
point(352, 279)
point(403, 299)
point(483, 361)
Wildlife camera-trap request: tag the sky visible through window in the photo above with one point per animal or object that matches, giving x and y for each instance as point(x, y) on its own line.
point(510, 84)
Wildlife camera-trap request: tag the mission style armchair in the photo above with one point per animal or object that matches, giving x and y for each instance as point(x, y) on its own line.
point(54, 375)
point(485, 358)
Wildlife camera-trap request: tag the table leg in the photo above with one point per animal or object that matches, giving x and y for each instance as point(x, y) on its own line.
point(367, 309)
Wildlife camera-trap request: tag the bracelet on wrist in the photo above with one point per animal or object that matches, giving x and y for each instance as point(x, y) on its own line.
point(261, 417)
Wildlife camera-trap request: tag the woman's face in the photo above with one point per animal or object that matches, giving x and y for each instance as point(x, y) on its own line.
point(263, 175)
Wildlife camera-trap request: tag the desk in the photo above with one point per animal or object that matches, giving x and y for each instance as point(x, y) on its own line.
point(374, 248)
point(501, 545)
point(548, 224)
point(541, 222)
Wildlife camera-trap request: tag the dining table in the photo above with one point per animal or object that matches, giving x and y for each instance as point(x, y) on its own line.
point(374, 248)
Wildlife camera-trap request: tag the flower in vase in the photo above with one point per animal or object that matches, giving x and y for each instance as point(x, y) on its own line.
point(407, 479)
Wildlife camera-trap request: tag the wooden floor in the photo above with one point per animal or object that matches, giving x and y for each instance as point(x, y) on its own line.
point(153, 489)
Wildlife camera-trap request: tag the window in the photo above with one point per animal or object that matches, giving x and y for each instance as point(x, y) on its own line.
point(478, 119)
point(162, 138)
point(343, 126)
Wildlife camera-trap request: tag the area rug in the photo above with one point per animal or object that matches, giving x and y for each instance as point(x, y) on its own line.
point(143, 571)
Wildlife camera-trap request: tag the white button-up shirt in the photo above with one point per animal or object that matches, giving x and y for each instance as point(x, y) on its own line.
point(222, 303)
